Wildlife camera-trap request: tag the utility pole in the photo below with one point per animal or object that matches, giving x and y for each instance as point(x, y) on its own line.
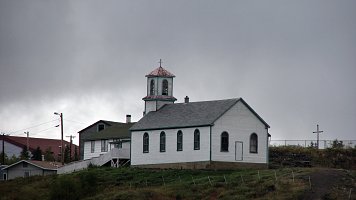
point(317, 137)
point(62, 147)
point(70, 146)
point(28, 146)
point(3, 148)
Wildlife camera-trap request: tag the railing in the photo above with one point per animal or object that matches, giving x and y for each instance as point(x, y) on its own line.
point(323, 144)
point(97, 161)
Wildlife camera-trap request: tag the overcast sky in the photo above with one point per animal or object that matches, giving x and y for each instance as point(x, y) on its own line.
point(293, 62)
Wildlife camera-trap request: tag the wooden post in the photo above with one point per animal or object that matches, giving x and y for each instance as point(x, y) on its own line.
point(164, 183)
point(293, 175)
point(275, 175)
point(310, 185)
point(242, 179)
point(350, 193)
point(210, 181)
point(225, 180)
point(259, 178)
point(193, 180)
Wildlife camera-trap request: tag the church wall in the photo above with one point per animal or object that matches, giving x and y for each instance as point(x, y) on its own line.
point(240, 123)
point(171, 155)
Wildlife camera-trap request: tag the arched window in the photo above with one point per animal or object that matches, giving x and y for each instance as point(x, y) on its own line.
point(179, 140)
point(196, 139)
point(145, 143)
point(162, 142)
point(253, 143)
point(164, 87)
point(152, 87)
point(224, 141)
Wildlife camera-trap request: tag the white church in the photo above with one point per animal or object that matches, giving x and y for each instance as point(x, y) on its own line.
point(221, 134)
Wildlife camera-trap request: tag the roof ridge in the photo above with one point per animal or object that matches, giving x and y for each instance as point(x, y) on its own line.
point(209, 101)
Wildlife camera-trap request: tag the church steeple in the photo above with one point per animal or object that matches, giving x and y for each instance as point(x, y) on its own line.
point(159, 89)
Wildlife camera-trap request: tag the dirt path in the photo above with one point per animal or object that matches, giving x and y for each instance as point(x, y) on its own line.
point(330, 184)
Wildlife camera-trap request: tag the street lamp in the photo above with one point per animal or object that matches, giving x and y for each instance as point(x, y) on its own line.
point(61, 116)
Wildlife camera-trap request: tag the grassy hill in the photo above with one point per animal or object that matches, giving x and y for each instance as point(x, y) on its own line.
point(128, 183)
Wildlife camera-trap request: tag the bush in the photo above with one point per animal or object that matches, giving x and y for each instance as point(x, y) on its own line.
point(65, 187)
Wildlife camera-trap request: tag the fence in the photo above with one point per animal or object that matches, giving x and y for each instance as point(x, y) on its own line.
point(323, 144)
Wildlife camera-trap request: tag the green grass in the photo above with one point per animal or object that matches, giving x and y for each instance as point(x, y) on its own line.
point(130, 183)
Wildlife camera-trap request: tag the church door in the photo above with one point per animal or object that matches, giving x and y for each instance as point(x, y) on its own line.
point(238, 150)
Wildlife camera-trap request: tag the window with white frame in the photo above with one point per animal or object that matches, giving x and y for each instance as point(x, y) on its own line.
point(224, 142)
point(104, 145)
point(179, 140)
point(162, 142)
point(253, 143)
point(196, 139)
point(92, 146)
point(145, 143)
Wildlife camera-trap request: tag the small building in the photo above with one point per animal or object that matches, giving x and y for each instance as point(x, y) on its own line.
point(197, 135)
point(27, 168)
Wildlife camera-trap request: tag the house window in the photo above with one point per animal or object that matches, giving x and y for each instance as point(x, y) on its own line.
point(104, 145)
point(224, 142)
point(253, 143)
point(117, 143)
point(24, 164)
point(4, 177)
point(179, 140)
point(165, 87)
point(196, 139)
point(101, 127)
point(145, 143)
point(92, 146)
point(152, 87)
point(162, 142)
point(26, 174)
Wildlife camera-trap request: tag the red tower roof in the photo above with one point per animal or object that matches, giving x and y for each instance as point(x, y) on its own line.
point(160, 72)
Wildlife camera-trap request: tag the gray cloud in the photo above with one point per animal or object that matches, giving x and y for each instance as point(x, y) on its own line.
point(292, 61)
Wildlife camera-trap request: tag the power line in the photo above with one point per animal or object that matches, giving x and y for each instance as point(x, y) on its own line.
point(33, 126)
point(73, 121)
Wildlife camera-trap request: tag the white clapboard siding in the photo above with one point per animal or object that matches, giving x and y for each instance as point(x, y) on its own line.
point(171, 155)
point(240, 123)
point(97, 150)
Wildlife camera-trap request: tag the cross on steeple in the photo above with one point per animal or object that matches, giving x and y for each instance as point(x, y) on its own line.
point(317, 132)
point(160, 62)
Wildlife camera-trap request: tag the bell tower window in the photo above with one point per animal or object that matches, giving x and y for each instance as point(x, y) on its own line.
point(152, 87)
point(164, 87)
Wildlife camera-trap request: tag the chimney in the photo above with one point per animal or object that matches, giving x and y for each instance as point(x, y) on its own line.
point(43, 157)
point(186, 99)
point(128, 118)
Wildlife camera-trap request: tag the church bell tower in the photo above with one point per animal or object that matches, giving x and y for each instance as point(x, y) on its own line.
point(159, 89)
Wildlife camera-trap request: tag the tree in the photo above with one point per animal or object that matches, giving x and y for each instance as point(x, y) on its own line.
point(337, 144)
point(76, 154)
point(37, 154)
point(48, 155)
point(67, 154)
point(24, 154)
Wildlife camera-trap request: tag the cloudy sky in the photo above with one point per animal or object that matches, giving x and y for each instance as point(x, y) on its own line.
point(294, 62)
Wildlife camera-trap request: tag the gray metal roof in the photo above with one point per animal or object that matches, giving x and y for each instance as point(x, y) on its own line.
point(193, 114)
